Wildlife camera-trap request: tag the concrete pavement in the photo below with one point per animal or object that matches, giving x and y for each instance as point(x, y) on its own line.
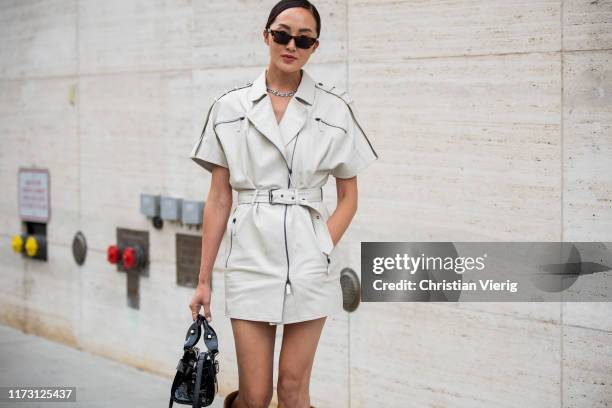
point(27, 360)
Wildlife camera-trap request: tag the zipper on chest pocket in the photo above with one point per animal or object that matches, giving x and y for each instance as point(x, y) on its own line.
point(228, 121)
point(320, 120)
point(232, 233)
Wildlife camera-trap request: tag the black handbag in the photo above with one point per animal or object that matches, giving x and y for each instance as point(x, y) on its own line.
point(195, 382)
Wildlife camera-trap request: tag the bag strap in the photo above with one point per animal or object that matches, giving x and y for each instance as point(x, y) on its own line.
point(198, 383)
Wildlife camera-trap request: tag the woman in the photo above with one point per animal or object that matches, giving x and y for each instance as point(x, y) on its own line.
point(276, 141)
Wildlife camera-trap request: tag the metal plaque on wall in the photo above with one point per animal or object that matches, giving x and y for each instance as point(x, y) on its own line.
point(33, 195)
point(188, 257)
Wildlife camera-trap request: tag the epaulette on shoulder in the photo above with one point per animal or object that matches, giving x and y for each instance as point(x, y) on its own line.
point(235, 88)
point(347, 98)
point(227, 91)
point(339, 92)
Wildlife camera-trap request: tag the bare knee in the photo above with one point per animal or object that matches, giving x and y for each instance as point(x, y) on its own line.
point(290, 390)
point(254, 399)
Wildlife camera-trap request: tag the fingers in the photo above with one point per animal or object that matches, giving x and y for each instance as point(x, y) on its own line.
point(195, 309)
point(207, 314)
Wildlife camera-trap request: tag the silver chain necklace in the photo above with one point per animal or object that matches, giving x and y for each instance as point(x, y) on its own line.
point(279, 93)
point(276, 91)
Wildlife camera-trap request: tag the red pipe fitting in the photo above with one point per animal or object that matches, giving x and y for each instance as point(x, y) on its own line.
point(113, 254)
point(133, 257)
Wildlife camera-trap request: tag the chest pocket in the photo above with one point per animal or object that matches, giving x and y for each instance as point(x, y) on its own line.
point(328, 126)
point(228, 132)
point(229, 125)
point(332, 134)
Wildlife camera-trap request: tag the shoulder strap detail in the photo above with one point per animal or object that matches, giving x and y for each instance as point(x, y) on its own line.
point(345, 97)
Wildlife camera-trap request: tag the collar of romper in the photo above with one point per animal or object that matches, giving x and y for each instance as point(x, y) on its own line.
point(305, 92)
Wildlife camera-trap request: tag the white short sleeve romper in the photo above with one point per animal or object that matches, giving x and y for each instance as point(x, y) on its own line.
point(278, 245)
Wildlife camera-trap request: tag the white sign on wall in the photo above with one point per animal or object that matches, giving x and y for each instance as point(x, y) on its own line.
point(33, 195)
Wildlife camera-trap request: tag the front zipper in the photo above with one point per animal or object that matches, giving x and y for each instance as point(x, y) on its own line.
point(329, 124)
point(232, 233)
point(290, 169)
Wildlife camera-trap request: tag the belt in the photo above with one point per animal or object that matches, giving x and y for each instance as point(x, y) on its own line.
point(294, 196)
point(281, 195)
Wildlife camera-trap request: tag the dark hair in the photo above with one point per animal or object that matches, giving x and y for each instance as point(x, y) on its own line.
point(285, 4)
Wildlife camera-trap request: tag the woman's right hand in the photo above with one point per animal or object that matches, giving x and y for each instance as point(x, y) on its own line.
point(201, 297)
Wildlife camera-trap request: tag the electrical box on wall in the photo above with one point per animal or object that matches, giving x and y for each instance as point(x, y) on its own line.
point(171, 208)
point(192, 212)
point(149, 205)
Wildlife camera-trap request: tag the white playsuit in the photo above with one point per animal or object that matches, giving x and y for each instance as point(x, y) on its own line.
point(278, 245)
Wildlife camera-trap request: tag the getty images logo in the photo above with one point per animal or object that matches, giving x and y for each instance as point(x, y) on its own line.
point(412, 264)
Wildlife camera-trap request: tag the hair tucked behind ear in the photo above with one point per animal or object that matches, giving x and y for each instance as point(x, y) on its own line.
point(285, 4)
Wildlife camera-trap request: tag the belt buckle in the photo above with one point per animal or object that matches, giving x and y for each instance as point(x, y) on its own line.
point(270, 195)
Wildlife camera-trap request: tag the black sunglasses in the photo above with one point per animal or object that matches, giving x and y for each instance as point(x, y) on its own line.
point(283, 38)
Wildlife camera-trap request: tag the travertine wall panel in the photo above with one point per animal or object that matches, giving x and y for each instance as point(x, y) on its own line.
point(394, 31)
point(443, 356)
point(39, 38)
point(134, 36)
point(587, 25)
point(134, 128)
point(587, 215)
point(587, 373)
point(470, 146)
point(587, 146)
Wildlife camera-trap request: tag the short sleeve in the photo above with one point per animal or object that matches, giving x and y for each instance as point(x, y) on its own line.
point(357, 153)
point(208, 149)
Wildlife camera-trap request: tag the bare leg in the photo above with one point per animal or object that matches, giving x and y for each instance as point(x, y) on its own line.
point(255, 352)
point(298, 349)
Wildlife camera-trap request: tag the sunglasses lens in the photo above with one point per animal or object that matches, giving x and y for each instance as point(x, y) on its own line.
point(304, 42)
point(281, 37)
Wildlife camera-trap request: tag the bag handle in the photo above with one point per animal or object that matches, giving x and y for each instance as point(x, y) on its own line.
point(195, 332)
